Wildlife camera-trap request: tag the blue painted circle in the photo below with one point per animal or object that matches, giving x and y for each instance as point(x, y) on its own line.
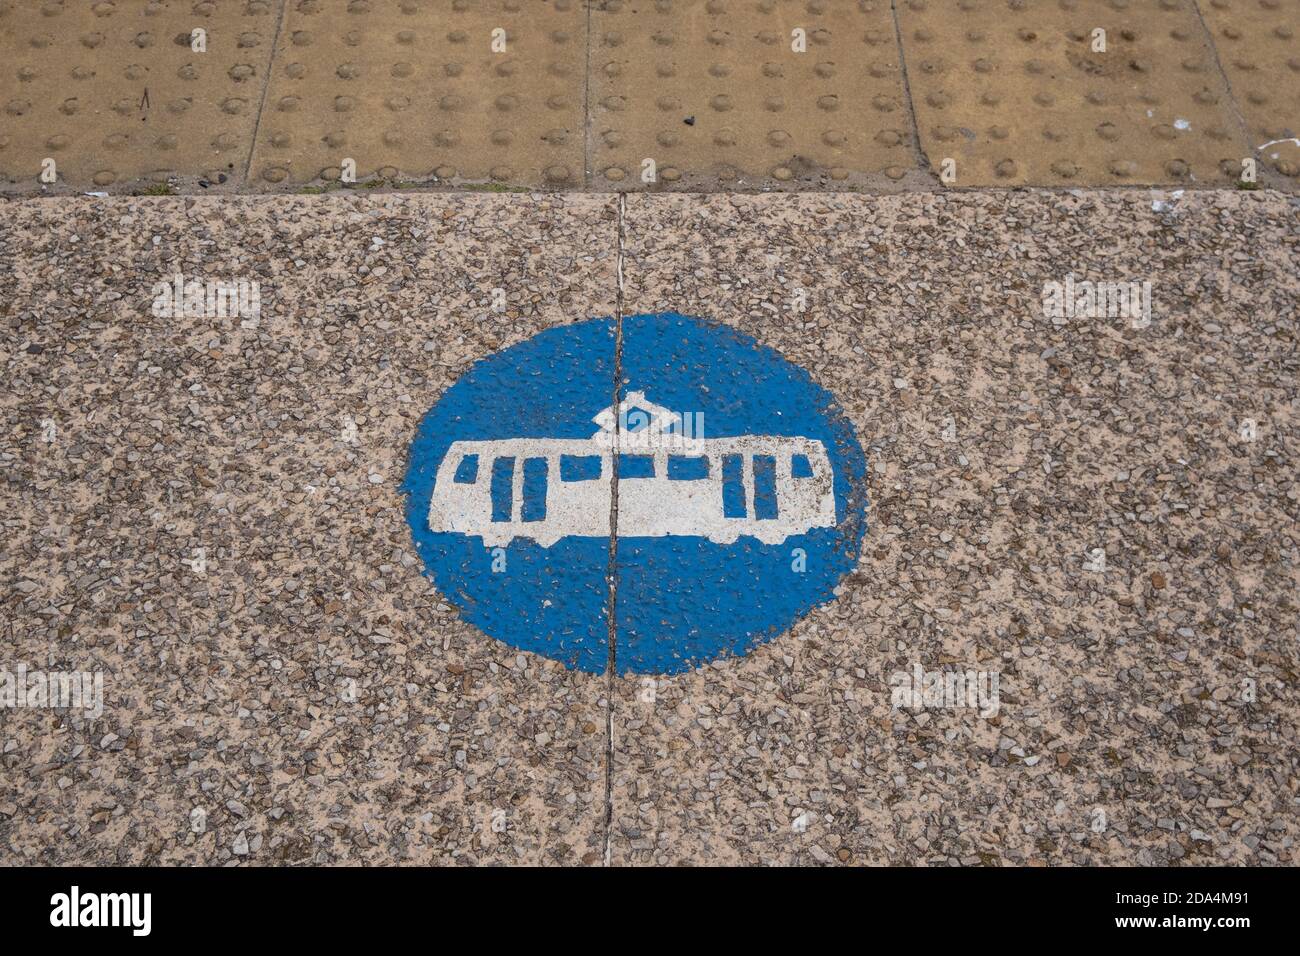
point(682, 598)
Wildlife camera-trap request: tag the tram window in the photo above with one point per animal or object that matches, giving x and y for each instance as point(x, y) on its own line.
point(503, 493)
point(467, 470)
point(733, 486)
point(579, 467)
point(533, 507)
point(765, 507)
point(636, 466)
point(800, 467)
point(688, 467)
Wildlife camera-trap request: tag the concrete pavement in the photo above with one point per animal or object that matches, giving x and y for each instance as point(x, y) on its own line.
point(206, 510)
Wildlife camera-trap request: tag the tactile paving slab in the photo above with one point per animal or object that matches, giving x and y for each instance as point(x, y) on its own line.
point(113, 92)
point(1256, 42)
point(714, 93)
point(1013, 92)
point(414, 90)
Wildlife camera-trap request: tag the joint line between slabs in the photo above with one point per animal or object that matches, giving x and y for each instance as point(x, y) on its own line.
point(586, 110)
point(266, 88)
point(612, 665)
point(1237, 113)
point(918, 153)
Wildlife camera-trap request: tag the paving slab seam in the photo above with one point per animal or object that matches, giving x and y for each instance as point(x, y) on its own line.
point(586, 109)
point(611, 672)
point(1240, 114)
point(266, 88)
point(922, 160)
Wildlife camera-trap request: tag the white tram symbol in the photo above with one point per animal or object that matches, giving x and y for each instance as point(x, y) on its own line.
point(671, 481)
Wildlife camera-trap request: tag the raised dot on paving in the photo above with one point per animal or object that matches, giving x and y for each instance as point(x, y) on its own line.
point(426, 90)
point(796, 95)
point(116, 94)
point(1068, 92)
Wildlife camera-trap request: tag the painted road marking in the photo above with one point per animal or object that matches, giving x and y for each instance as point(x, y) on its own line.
point(724, 538)
point(679, 489)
